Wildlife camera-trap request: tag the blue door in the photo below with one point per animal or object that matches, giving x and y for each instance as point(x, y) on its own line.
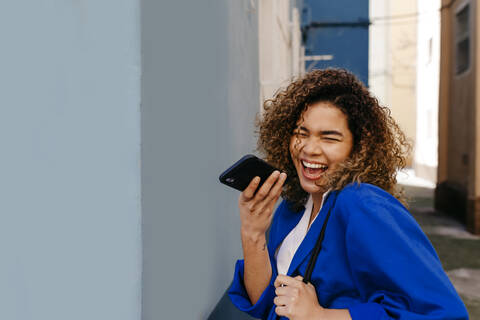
point(335, 34)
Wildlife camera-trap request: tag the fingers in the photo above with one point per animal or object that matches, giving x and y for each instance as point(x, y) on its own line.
point(282, 300)
point(282, 311)
point(267, 185)
point(286, 280)
point(267, 204)
point(282, 291)
point(249, 192)
point(276, 179)
point(293, 298)
point(277, 188)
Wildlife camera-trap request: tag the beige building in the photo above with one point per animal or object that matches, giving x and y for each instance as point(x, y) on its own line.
point(392, 75)
point(280, 49)
point(458, 188)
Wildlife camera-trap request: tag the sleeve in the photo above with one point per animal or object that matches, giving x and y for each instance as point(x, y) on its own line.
point(239, 297)
point(394, 266)
point(237, 292)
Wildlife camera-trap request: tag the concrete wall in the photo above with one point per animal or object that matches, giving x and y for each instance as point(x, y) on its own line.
point(199, 98)
point(70, 170)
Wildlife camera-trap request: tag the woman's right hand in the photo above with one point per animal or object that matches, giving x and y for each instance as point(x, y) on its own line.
point(256, 209)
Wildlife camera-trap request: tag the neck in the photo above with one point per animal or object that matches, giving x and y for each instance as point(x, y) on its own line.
point(317, 201)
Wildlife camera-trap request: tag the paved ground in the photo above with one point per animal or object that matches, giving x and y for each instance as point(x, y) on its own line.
point(458, 250)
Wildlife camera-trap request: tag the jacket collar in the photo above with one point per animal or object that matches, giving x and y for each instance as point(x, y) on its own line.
point(287, 221)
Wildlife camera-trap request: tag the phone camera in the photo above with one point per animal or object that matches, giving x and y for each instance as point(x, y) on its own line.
point(230, 180)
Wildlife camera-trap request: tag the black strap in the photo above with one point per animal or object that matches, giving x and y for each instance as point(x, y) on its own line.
point(318, 245)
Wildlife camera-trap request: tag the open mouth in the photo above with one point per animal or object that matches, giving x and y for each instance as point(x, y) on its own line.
point(313, 170)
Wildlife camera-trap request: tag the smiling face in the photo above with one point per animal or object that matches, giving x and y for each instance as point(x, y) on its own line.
point(320, 142)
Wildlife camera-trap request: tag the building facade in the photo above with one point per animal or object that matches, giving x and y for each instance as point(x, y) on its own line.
point(393, 60)
point(458, 186)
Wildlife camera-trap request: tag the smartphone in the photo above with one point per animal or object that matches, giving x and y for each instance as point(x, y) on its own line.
point(241, 173)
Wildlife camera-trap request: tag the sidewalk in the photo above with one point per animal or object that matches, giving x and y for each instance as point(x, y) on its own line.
point(459, 251)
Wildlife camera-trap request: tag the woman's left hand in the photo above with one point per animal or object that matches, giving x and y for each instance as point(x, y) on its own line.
point(296, 300)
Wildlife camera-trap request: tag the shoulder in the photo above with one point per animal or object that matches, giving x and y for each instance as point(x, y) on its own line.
point(376, 221)
point(363, 191)
point(360, 194)
point(364, 199)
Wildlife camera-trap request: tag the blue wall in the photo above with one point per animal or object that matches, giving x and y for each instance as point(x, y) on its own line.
point(70, 240)
point(113, 121)
point(200, 95)
point(348, 44)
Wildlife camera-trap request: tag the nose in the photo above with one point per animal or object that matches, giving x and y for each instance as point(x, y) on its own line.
point(313, 147)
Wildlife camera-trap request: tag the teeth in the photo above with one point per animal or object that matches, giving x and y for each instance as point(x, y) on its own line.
point(314, 165)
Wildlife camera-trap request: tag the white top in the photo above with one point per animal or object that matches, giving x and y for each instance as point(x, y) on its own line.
point(292, 241)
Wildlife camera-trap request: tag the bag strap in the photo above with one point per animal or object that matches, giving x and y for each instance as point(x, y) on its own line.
point(318, 244)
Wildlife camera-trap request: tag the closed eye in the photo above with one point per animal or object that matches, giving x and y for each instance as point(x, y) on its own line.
point(301, 134)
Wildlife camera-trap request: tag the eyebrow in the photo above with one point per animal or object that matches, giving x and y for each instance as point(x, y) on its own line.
point(324, 132)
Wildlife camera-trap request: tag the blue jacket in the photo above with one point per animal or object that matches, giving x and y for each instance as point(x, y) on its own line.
point(375, 261)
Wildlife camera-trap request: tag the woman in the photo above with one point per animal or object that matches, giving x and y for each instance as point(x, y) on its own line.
point(341, 151)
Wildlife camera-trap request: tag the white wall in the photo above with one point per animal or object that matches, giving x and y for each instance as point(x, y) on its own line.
point(279, 44)
point(70, 178)
point(428, 75)
point(379, 72)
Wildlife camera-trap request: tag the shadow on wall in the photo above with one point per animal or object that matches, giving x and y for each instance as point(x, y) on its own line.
point(226, 310)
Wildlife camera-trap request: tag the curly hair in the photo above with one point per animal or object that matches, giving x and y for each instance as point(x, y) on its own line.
point(379, 145)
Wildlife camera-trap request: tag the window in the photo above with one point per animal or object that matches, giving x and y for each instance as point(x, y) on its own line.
point(462, 40)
